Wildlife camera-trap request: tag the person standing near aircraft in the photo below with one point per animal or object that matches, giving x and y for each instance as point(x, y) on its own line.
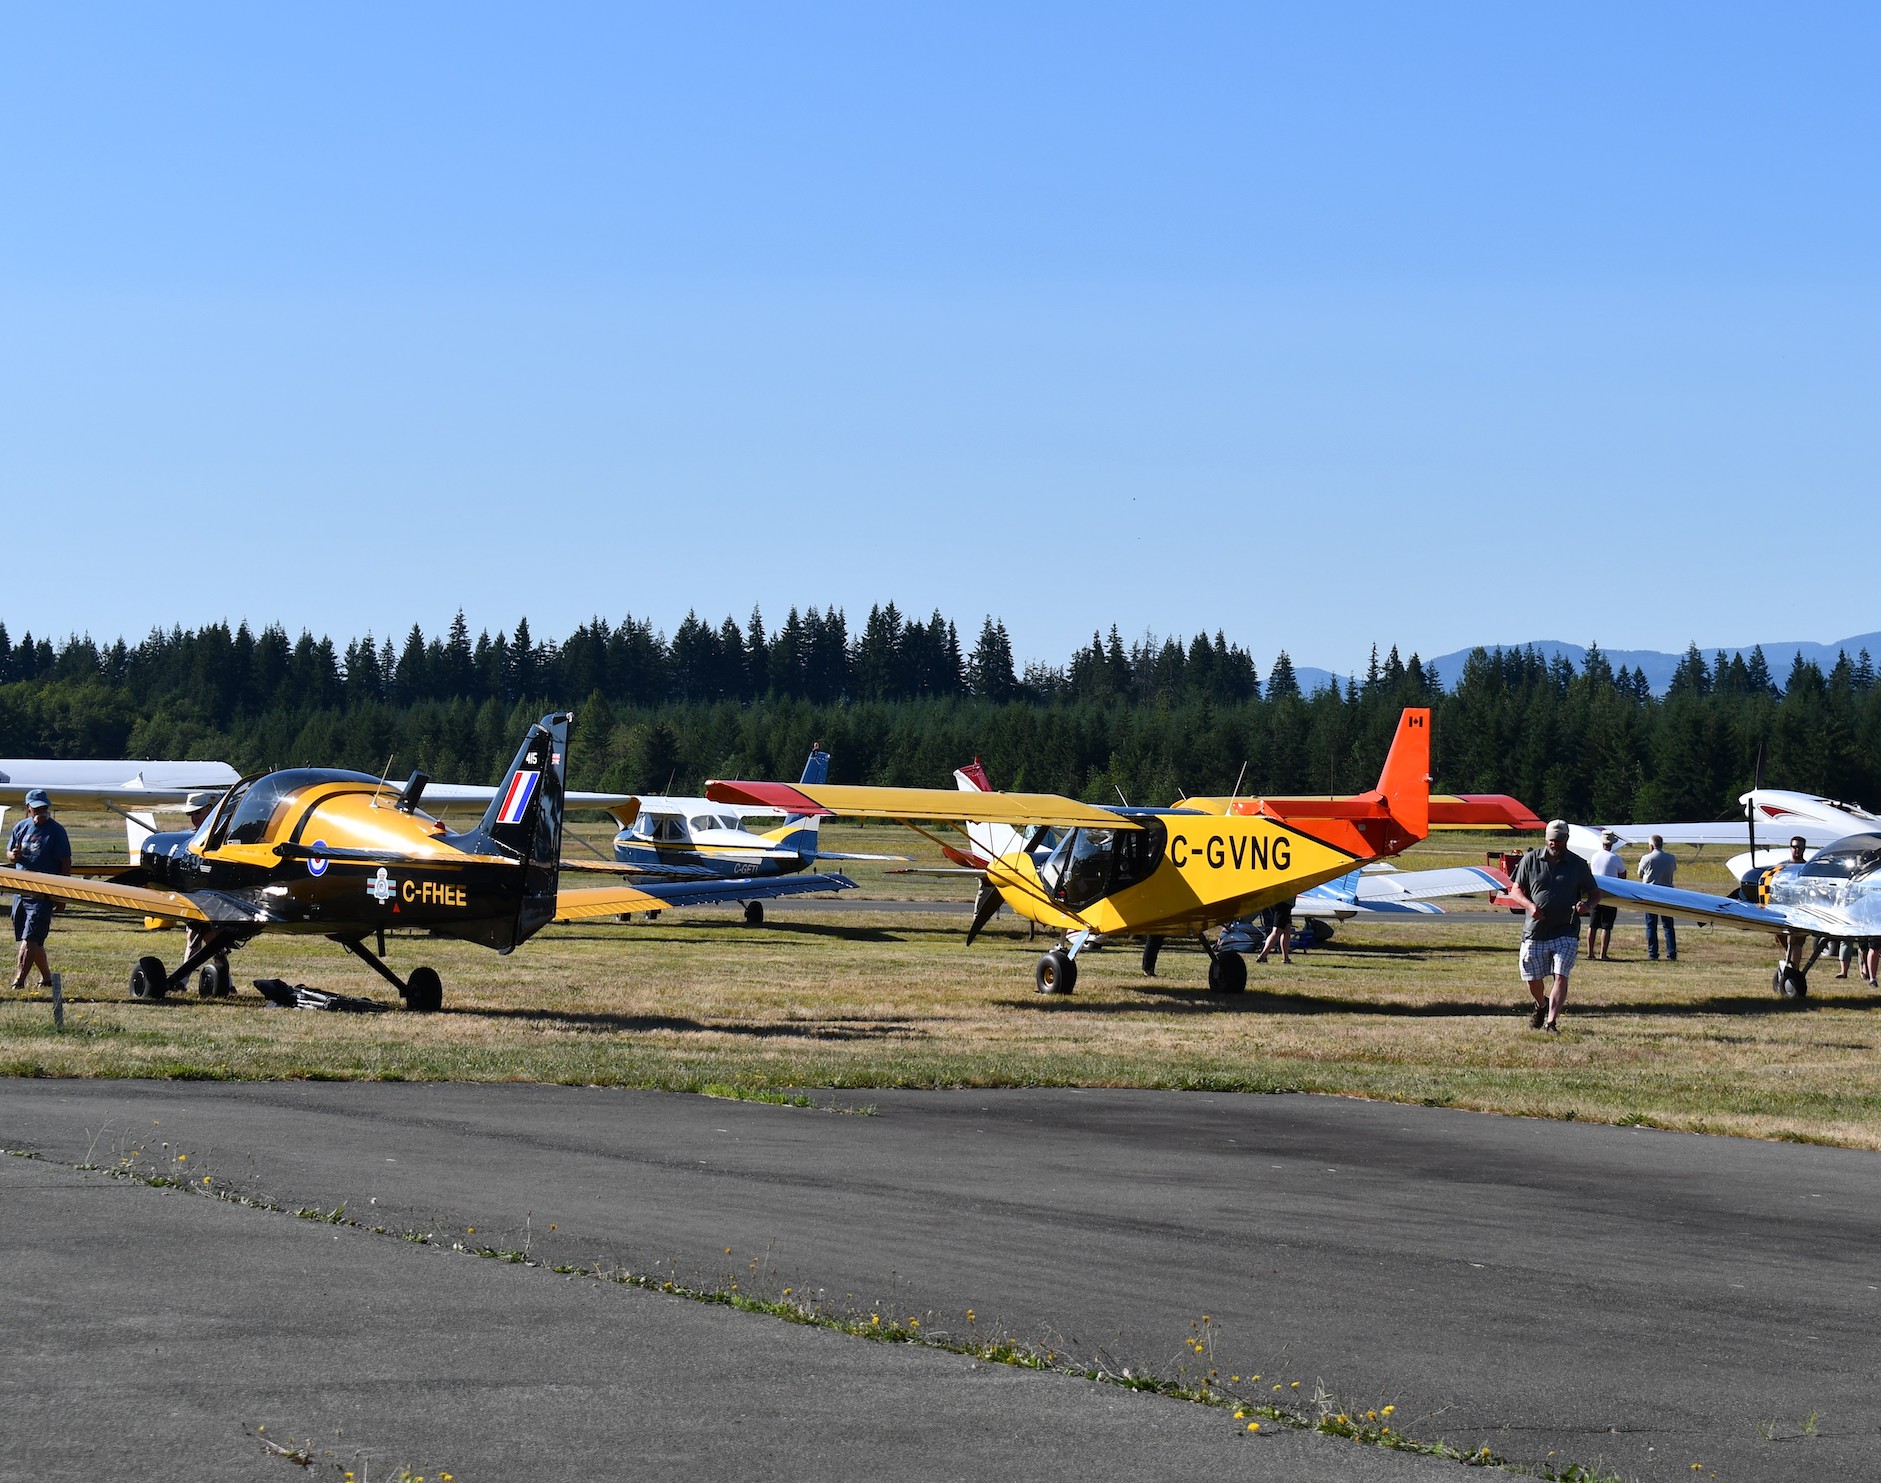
point(200, 806)
point(1280, 935)
point(1551, 882)
point(1656, 868)
point(38, 842)
point(1607, 865)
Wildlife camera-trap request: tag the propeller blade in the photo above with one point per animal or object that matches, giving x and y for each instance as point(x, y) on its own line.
point(984, 906)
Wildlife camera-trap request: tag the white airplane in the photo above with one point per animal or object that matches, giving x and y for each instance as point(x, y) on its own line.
point(137, 790)
point(1777, 815)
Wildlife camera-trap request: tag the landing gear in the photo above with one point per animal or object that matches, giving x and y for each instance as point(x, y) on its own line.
point(1227, 974)
point(1057, 972)
point(1152, 949)
point(754, 913)
point(1790, 982)
point(212, 980)
point(148, 980)
point(422, 990)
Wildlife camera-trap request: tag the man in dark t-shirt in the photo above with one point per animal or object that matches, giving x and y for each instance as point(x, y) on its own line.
point(1552, 882)
point(38, 842)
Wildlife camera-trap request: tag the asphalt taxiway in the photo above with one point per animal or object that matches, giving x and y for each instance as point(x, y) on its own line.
point(1558, 1292)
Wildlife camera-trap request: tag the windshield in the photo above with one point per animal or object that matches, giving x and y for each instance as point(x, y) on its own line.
point(1090, 864)
point(1855, 856)
point(244, 816)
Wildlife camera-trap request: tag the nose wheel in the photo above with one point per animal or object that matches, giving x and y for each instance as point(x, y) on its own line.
point(1057, 972)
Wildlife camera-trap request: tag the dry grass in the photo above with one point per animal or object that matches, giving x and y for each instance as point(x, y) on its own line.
point(1419, 1010)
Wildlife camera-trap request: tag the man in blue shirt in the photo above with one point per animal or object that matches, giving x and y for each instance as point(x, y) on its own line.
point(38, 842)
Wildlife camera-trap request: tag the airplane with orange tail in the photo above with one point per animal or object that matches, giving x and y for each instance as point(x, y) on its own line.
point(1147, 872)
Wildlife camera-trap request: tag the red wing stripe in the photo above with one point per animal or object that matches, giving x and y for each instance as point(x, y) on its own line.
point(779, 796)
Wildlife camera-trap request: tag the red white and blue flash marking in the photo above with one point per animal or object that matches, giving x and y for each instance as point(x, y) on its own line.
point(522, 788)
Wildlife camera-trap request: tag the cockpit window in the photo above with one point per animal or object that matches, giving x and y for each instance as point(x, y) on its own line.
point(730, 821)
point(702, 822)
point(244, 817)
point(1090, 864)
point(1858, 855)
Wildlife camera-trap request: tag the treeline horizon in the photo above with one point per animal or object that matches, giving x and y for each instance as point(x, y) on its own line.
point(903, 702)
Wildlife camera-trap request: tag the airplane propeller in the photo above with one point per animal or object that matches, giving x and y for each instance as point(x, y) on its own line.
point(985, 904)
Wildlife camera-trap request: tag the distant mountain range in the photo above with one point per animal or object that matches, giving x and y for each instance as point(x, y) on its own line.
point(1657, 666)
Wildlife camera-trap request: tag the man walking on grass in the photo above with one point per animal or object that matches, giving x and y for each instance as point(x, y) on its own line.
point(1551, 883)
point(38, 842)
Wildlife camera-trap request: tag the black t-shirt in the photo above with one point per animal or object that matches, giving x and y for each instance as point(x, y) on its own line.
point(1555, 886)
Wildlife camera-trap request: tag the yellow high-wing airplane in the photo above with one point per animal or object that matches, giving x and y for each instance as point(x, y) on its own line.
point(1144, 871)
point(336, 854)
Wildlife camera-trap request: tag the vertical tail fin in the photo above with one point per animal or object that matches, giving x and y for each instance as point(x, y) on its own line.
point(801, 832)
point(525, 819)
point(1405, 782)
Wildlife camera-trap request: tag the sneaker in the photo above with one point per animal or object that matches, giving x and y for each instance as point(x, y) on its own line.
point(1537, 1019)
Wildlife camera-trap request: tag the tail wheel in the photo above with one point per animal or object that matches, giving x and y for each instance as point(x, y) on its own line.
point(1790, 982)
point(149, 980)
point(754, 913)
point(212, 981)
point(1227, 974)
point(424, 991)
point(1057, 972)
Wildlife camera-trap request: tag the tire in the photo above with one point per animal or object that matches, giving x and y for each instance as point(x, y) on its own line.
point(1057, 972)
point(424, 991)
point(1320, 930)
point(754, 913)
point(1790, 982)
point(1152, 949)
point(149, 980)
point(212, 979)
point(1227, 974)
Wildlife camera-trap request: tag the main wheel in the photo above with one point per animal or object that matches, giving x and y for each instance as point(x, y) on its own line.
point(1152, 949)
point(149, 980)
point(1790, 982)
point(754, 913)
point(1227, 974)
point(1057, 972)
point(1320, 930)
point(424, 991)
point(212, 979)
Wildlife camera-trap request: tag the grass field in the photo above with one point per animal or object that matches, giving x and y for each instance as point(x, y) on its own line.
point(1423, 1011)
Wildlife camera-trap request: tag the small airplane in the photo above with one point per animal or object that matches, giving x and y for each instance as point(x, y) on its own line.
point(1377, 889)
point(1145, 872)
point(326, 852)
point(136, 790)
point(1820, 821)
point(695, 839)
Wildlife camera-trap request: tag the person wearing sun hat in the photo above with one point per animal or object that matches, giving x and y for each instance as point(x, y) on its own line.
point(1551, 882)
point(38, 842)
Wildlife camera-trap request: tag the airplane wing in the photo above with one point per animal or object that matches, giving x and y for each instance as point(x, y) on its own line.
point(846, 855)
point(610, 901)
point(443, 795)
point(1702, 906)
point(133, 900)
point(1426, 885)
point(937, 805)
point(93, 795)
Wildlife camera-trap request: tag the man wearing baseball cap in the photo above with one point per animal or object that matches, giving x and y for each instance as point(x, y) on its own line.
point(38, 842)
point(1551, 882)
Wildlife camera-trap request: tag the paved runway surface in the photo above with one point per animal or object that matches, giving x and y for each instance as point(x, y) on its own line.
point(1560, 1292)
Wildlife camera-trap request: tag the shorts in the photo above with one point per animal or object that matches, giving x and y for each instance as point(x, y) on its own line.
point(32, 918)
point(1604, 918)
point(1553, 957)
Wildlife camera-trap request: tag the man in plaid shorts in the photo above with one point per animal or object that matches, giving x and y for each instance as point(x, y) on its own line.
point(1552, 882)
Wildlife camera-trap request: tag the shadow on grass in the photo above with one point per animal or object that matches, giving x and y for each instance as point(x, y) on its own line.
point(682, 1025)
point(1516, 1006)
point(696, 928)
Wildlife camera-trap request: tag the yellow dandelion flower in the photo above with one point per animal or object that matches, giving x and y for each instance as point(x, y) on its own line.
point(914, 1323)
point(182, 1158)
point(1296, 1385)
point(787, 1291)
point(1240, 1416)
point(876, 1319)
point(1253, 1426)
point(205, 1179)
point(1276, 1387)
point(1387, 1411)
point(969, 1315)
point(1234, 1379)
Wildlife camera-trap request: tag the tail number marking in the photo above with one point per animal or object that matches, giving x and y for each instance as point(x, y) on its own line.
point(1237, 851)
point(433, 893)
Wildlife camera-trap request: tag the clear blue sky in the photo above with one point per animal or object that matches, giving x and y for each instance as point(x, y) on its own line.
point(1316, 324)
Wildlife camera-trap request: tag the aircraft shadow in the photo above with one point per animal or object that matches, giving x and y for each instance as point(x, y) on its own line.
point(674, 931)
point(680, 1024)
point(1256, 1001)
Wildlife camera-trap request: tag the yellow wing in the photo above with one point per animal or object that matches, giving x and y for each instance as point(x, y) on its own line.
point(136, 900)
point(603, 901)
point(941, 805)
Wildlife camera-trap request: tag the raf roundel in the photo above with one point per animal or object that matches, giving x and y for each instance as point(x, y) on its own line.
point(317, 864)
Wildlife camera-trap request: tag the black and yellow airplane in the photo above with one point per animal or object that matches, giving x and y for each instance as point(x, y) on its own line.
point(319, 851)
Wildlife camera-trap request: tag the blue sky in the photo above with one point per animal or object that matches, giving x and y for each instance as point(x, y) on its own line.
point(1318, 325)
